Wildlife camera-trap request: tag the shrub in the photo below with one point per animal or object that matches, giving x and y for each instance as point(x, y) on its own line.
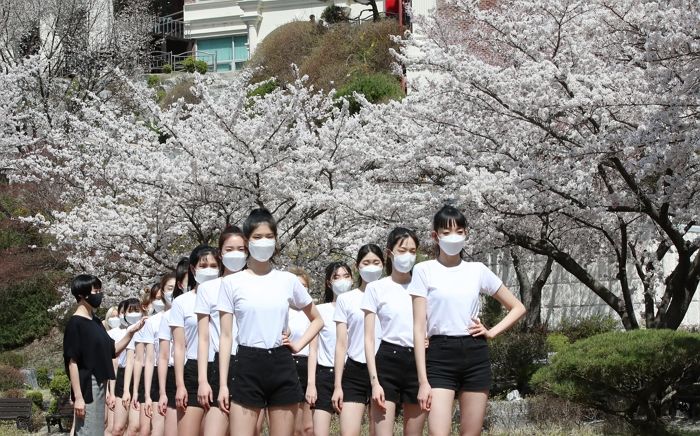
point(191, 65)
point(25, 316)
point(13, 359)
point(547, 410)
point(581, 328)
point(167, 69)
point(42, 377)
point(153, 81)
point(10, 378)
point(264, 88)
point(36, 397)
point(60, 385)
point(632, 374)
point(335, 14)
point(515, 356)
point(13, 393)
point(53, 406)
point(556, 342)
point(377, 88)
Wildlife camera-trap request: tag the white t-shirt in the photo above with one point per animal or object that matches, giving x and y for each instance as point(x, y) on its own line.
point(453, 294)
point(205, 304)
point(326, 337)
point(393, 306)
point(118, 334)
point(347, 310)
point(298, 323)
point(164, 333)
point(182, 315)
point(148, 333)
point(261, 305)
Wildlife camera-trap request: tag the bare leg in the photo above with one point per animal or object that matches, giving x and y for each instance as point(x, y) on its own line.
point(157, 423)
point(215, 422)
point(472, 409)
point(134, 426)
point(282, 419)
point(170, 422)
point(307, 420)
point(351, 419)
point(322, 423)
point(383, 420)
point(109, 421)
point(413, 420)
point(121, 417)
point(243, 421)
point(189, 422)
point(145, 426)
point(440, 416)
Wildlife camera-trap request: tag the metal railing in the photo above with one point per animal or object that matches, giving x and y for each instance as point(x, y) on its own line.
point(158, 59)
point(178, 59)
point(172, 26)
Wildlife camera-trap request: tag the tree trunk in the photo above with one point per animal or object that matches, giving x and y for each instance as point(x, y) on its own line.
point(375, 10)
point(531, 292)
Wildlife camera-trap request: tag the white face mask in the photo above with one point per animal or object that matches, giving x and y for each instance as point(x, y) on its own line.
point(205, 274)
point(262, 249)
point(452, 244)
point(168, 296)
point(403, 263)
point(371, 273)
point(158, 305)
point(341, 286)
point(234, 261)
point(132, 318)
point(114, 322)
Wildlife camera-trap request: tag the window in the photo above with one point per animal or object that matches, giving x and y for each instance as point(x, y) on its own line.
point(231, 51)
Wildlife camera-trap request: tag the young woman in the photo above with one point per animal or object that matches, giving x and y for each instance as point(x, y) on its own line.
point(298, 323)
point(338, 280)
point(166, 372)
point(113, 326)
point(392, 371)
point(264, 374)
point(204, 266)
point(141, 367)
point(352, 385)
point(132, 373)
point(233, 256)
point(87, 354)
point(147, 345)
point(446, 292)
point(122, 386)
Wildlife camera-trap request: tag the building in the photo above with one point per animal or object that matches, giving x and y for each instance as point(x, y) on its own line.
point(231, 29)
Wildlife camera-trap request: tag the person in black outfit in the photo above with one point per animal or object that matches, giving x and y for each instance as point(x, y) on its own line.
point(87, 353)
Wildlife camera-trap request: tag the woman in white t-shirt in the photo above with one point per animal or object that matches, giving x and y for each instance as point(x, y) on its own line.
point(166, 372)
point(264, 374)
point(126, 417)
point(446, 294)
point(113, 325)
point(352, 389)
point(232, 253)
point(204, 266)
point(298, 323)
point(319, 391)
point(392, 371)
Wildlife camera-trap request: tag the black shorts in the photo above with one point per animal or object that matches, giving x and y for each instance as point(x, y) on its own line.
point(356, 385)
point(119, 383)
point(265, 378)
point(302, 364)
point(142, 387)
point(191, 377)
point(170, 387)
point(155, 390)
point(459, 363)
point(396, 371)
point(325, 383)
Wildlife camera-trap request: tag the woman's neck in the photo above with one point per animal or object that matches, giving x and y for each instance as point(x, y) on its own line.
point(363, 285)
point(449, 261)
point(259, 268)
point(400, 278)
point(84, 310)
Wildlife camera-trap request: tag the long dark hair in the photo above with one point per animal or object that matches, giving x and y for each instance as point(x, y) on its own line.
point(181, 271)
point(256, 218)
point(197, 254)
point(331, 269)
point(396, 236)
point(364, 251)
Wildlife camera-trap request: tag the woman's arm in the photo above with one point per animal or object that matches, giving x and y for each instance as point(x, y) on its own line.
point(312, 330)
point(128, 371)
point(139, 359)
point(124, 342)
point(163, 361)
point(341, 347)
point(311, 393)
point(419, 321)
point(515, 309)
point(78, 402)
point(179, 357)
point(225, 344)
point(204, 392)
point(148, 377)
point(377, 391)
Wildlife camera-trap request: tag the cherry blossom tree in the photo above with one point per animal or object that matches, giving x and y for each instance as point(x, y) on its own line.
point(571, 130)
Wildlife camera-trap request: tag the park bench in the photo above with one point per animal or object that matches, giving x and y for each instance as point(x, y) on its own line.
point(17, 409)
point(64, 412)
